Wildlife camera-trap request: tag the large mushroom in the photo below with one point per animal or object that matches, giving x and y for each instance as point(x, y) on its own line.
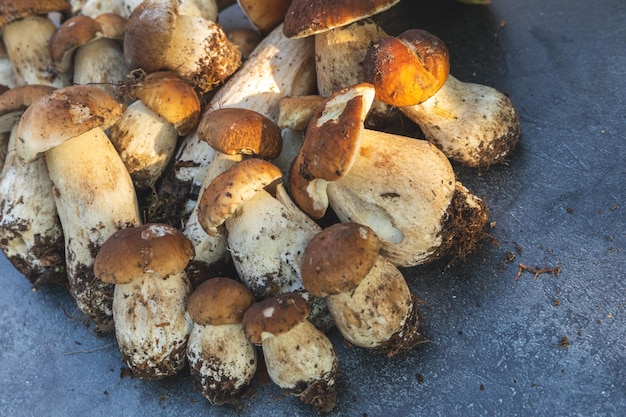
point(403, 188)
point(147, 266)
point(471, 123)
point(93, 191)
point(221, 359)
point(159, 37)
point(368, 297)
point(299, 357)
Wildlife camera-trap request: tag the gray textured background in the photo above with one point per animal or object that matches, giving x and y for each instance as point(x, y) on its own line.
point(495, 341)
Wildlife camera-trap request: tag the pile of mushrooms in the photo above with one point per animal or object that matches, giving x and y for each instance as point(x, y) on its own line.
point(208, 201)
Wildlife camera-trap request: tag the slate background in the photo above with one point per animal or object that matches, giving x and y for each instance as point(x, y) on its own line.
point(560, 202)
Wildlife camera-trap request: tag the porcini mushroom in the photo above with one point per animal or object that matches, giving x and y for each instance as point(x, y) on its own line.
point(30, 231)
point(403, 188)
point(299, 357)
point(146, 135)
point(93, 191)
point(474, 124)
point(147, 266)
point(263, 14)
point(221, 359)
point(159, 37)
point(368, 297)
point(26, 31)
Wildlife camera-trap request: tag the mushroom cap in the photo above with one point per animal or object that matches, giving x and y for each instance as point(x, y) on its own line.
point(275, 315)
point(333, 135)
point(152, 248)
point(264, 15)
point(219, 301)
point(171, 97)
point(61, 115)
point(14, 101)
point(148, 33)
point(338, 258)
point(308, 17)
point(231, 189)
point(11, 10)
point(235, 131)
point(408, 69)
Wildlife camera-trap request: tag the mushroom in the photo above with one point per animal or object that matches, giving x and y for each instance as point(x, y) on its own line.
point(30, 231)
point(299, 358)
point(207, 9)
point(26, 31)
point(233, 134)
point(89, 51)
point(146, 264)
point(146, 135)
point(474, 124)
point(221, 359)
point(93, 191)
point(159, 37)
point(403, 188)
point(7, 74)
point(277, 68)
point(368, 297)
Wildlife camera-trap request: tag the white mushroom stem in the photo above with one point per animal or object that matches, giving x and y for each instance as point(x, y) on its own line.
point(7, 74)
point(100, 62)
point(266, 240)
point(471, 123)
point(339, 55)
point(380, 309)
point(30, 231)
point(151, 326)
point(221, 359)
point(145, 142)
point(277, 68)
point(94, 197)
point(93, 8)
point(28, 46)
point(401, 188)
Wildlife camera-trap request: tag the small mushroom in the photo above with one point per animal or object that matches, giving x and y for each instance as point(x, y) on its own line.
point(160, 37)
point(26, 32)
point(299, 358)
point(402, 188)
point(265, 15)
point(93, 191)
point(368, 298)
point(221, 359)
point(146, 135)
point(147, 266)
point(471, 123)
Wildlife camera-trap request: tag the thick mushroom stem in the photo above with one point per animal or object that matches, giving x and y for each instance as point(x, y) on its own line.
point(100, 63)
point(30, 231)
point(474, 124)
point(94, 197)
point(30, 55)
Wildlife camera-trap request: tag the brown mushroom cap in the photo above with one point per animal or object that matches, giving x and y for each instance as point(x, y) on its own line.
point(308, 17)
point(234, 131)
point(63, 114)
point(150, 26)
point(219, 301)
point(152, 248)
point(408, 69)
point(14, 101)
point(338, 258)
point(275, 315)
point(171, 97)
point(231, 189)
point(11, 10)
point(74, 32)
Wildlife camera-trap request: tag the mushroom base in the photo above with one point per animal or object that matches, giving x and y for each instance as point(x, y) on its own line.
point(408, 337)
point(321, 394)
point(463, 229)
